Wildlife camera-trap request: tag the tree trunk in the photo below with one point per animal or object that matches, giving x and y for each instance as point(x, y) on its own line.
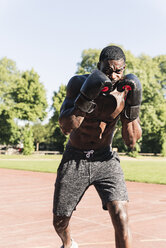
point(37, 146)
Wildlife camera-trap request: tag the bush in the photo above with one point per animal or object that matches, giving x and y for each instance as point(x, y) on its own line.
point(28, 141)
point(163, 150)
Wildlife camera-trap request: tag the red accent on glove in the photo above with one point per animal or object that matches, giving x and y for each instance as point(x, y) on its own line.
point(127, 87)
point(105, 89)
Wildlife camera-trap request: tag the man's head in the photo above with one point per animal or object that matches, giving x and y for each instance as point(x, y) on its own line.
point(112, 62)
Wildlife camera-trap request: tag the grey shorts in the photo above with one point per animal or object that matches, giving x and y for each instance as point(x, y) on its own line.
point(80, 169)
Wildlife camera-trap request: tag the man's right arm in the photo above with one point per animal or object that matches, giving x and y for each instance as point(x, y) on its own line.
point(71, 117)
point(81, 93)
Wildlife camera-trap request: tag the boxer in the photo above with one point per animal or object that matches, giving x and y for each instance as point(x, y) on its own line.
point(89, 114)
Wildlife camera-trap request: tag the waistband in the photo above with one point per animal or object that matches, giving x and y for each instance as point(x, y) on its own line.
point(90, 153)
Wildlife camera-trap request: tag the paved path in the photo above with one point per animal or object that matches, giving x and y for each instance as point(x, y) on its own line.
point(26, 214)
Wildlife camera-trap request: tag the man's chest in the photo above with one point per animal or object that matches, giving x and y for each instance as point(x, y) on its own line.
point(110, 106)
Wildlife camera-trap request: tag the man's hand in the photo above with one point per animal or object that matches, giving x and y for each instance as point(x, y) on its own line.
point(133, 100)
point(91, 89)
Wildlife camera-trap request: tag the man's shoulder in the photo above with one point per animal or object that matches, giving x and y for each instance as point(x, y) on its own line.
point(75, 84)
point(78, 78)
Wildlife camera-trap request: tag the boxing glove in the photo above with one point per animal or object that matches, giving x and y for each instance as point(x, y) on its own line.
point(90, 90)
point(134, 96)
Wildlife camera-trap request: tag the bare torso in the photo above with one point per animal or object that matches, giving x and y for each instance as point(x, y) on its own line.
point(97, 128)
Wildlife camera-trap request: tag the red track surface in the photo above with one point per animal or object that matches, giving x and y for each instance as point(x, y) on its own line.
point(26, 214)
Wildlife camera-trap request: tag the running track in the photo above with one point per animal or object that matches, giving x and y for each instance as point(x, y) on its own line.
point(26, 214)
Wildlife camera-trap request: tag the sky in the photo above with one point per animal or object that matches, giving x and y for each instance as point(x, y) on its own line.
point(50, 35)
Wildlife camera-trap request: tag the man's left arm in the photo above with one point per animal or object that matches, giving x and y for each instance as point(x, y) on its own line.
point(131, 129)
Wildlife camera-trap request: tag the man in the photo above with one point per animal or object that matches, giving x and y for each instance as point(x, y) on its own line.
point(89, 113)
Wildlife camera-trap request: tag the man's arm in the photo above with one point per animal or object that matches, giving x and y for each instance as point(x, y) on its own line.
point(71, 117)
point(81, 93)
point(131, 131)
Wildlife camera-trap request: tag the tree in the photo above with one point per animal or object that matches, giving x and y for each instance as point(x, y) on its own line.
point(29, 97)
point(56, 135)
point(9, 131)
point(153, 109)
point(22, 96)
point(28, 140)
point(161, 61)
point(8, 75)
point(89, 61)
point(163, 150)
point(39, 134)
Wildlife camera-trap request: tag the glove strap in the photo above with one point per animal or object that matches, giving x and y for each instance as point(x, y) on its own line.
point(131, 112)
point(84, 104)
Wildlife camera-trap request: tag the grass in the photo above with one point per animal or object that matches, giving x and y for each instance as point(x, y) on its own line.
point(30, 157)
point(31, 165)
point(145, 171)
point(149, 170)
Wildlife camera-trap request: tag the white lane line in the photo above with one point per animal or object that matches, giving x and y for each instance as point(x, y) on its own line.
point(31, 188)
point(97, 243)
point(26, 223)
point(41, 247)
point(91, 221)
point(147, 218)
point(153, 240)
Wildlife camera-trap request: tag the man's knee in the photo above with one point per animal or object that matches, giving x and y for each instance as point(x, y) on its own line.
point(119, 215)
point(60, 223)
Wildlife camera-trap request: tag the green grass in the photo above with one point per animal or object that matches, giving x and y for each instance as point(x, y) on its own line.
point(148, 171)
point(31, 165)
point(30, 157)
point(145, 171)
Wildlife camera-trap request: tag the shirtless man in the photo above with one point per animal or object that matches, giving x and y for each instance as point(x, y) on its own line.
point(89, 113)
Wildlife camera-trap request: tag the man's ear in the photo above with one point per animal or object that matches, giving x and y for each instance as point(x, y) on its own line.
point(98, 65)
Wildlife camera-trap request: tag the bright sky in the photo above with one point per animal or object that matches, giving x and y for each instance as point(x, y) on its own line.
point(50, 35)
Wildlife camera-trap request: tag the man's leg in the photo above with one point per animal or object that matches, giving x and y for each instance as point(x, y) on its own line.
point(119, 215)
point(61, 225)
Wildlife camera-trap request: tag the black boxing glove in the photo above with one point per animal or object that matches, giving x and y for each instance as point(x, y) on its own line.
point(134, 96)
point(91, 89)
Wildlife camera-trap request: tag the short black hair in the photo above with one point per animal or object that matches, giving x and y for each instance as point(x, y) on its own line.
point(112, 53)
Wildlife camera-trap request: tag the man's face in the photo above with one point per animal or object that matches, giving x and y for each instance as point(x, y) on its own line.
point(113, 69)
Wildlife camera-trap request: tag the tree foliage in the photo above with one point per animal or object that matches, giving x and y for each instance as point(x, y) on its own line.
point(22, 96)
point(89, 61)
point(8, 75)
point(39, 134)
point(56, 135)
point(9, 131)
point(28, 140)
point(29, 97)
point(153, 109)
